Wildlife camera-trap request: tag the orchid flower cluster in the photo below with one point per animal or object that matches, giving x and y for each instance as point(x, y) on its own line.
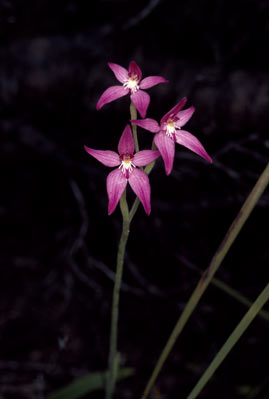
point(167, 133)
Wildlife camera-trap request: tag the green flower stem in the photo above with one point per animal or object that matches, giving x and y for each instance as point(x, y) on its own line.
point(113, 362)
point(207, 276)
point(134, 127)
point(231, 341)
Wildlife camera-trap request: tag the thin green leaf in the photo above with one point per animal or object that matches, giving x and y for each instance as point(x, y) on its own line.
point(231, 341)
point(225, 288)
point(208, 275)
point(238, 296)
point(84, 385)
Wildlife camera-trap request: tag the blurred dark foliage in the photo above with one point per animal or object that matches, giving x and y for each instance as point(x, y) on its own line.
point(58, 244)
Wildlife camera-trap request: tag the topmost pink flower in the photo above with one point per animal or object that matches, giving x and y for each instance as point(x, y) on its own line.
point(131, 83)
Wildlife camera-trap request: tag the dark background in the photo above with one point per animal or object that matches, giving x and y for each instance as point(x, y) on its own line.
point(58, 246)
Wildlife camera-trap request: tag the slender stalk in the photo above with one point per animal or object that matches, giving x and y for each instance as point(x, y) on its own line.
point(113, 361)
point(224, 247)
point(133, 113)
point(231, 341)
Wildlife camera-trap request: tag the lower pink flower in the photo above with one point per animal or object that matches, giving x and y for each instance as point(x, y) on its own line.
point(126, 161)
point(169, 132)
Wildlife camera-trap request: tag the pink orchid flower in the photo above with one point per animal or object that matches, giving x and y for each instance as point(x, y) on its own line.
point(127, 172)
point(131, 83)
point(169, 132)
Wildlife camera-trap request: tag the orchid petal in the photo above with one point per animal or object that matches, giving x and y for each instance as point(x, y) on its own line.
point(148, 124)
point(120, 72)
point(139, 182)
point(108, 158)
point(184, 116)
point(166, 146)
point(115, 185)
point(126, 143)
point(151, 81)
point(145, 157)
point(174, 110)
point(192, 143)
point(141, 101)
point(111, 94)
point(134, 70)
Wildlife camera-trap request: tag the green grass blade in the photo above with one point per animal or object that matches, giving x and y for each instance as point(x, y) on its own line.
point(84, 385)
point(208, 275)
point(231, 341)
point(232, 292)
point(238, 296)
